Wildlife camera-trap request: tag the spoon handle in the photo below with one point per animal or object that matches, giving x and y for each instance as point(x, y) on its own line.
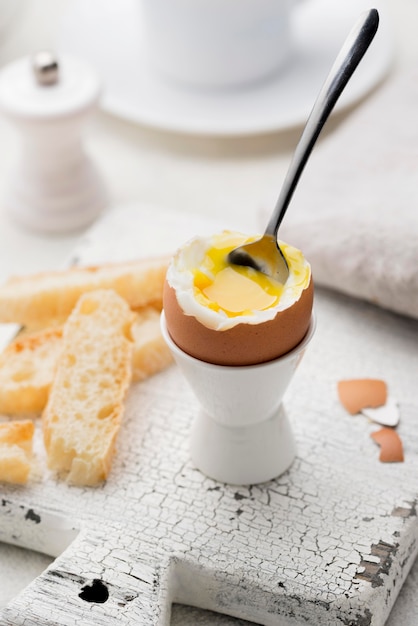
point(350, 55)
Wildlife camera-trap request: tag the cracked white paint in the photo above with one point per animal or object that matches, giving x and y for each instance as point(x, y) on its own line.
point(329, 542)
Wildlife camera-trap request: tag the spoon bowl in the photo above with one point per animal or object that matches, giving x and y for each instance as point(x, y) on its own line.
point(265, 254)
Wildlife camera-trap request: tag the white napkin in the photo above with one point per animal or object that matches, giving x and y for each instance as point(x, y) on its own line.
point(355, 212)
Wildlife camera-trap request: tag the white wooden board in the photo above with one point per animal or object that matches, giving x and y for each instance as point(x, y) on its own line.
point(330, 542)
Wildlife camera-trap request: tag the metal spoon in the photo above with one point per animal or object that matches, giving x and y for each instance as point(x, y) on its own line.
point(264, 254)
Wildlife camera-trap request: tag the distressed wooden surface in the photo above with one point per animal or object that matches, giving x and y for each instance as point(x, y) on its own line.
point(330, 542)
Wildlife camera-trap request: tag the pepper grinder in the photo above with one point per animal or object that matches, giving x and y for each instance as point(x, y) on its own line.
point(55, 186)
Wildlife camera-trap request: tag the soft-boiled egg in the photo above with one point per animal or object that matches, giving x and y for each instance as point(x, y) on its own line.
point(233, 315)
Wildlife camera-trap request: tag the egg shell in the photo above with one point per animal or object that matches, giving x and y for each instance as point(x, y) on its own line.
point(391, 448)
point(361, 393)
point(243, 344)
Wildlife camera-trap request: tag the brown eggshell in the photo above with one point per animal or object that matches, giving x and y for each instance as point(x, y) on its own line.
point(358, 394)
point(391, 448)
point(243, 344)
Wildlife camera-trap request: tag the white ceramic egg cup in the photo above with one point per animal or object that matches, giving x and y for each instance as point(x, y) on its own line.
point(242, 434)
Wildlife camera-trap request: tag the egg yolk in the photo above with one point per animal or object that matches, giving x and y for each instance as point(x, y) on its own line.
point(240, 290)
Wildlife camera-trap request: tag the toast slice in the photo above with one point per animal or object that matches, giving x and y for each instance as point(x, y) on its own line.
point(29, 300)
point(28, 364)
point(83, 414)
point(27, 368)
point(16, 439)
point(150, 352)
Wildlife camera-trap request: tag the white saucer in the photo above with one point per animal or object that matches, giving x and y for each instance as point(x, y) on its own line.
point(108, 34)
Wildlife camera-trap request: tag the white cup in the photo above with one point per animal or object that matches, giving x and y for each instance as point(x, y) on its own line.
point(242, 434)
point(216, 43)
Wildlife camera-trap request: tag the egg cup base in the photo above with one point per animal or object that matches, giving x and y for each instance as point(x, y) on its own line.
point(243, 455)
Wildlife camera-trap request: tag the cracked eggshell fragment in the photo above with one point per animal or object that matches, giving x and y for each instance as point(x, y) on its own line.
point(387, 415)
point(358, 394)
point(233, 338)
point(391, 448)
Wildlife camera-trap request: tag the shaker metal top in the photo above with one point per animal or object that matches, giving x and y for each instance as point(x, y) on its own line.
point(43, 87)
point(45, 67)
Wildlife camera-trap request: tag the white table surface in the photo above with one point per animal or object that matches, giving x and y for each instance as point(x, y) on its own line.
point(216, 177)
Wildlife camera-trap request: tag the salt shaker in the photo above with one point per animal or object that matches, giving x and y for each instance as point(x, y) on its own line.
point(55, 186)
